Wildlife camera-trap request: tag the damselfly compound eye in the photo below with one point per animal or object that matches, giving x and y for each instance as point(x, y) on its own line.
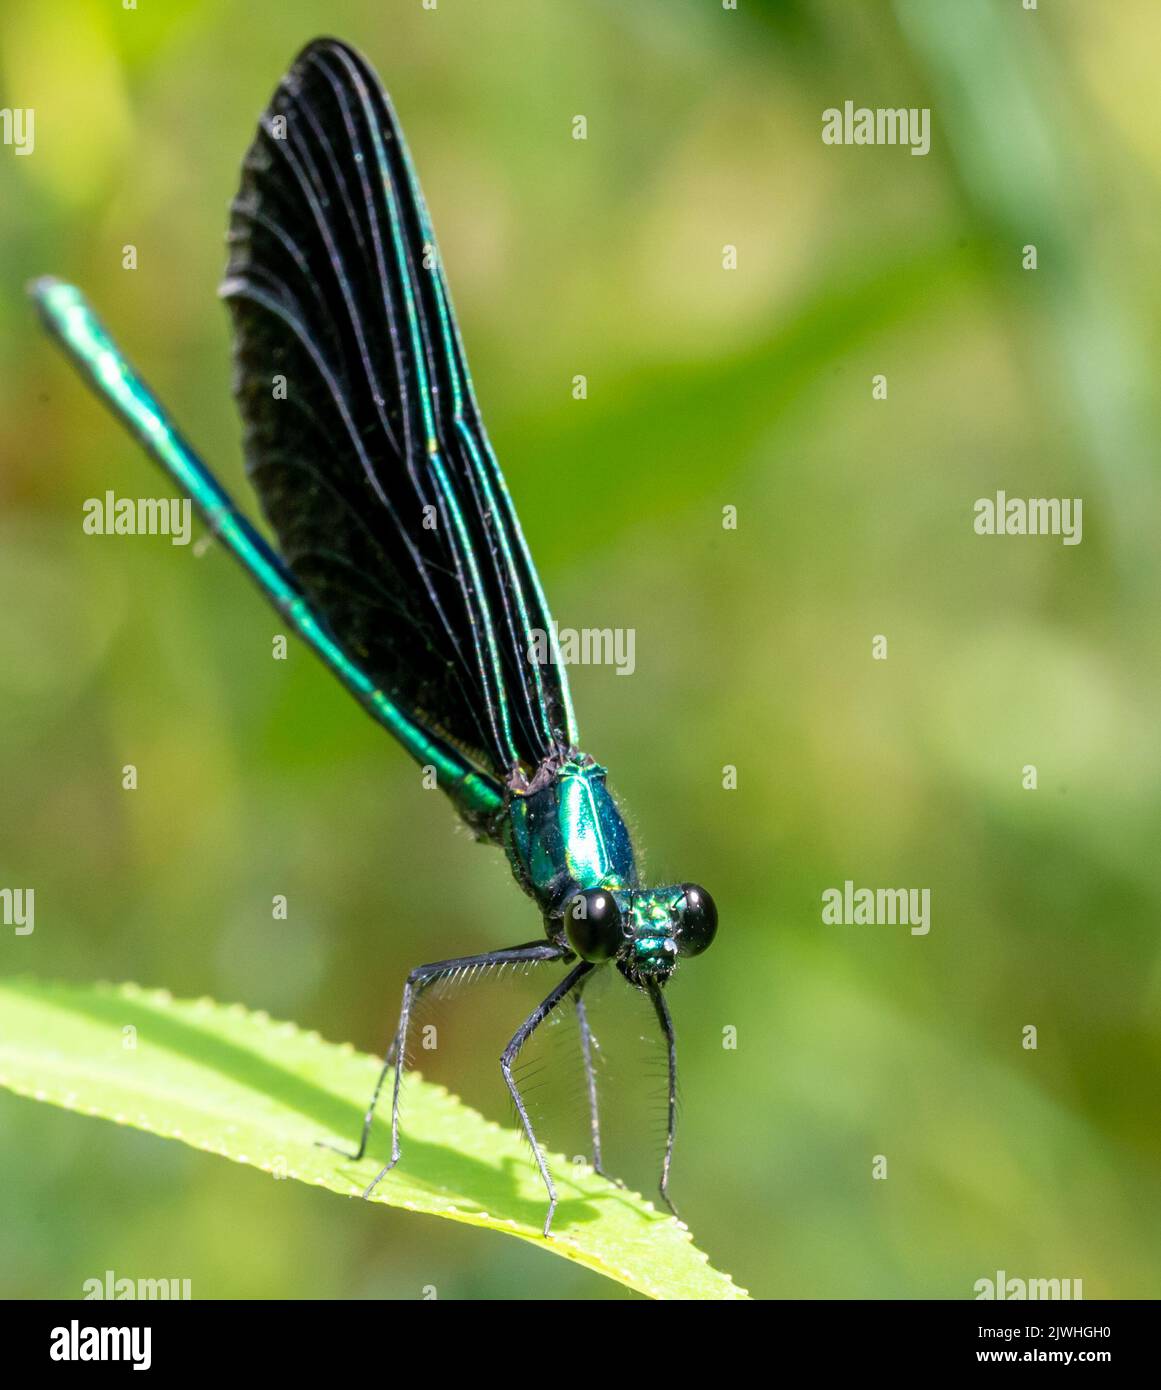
point(697, 920)
point(593, 923)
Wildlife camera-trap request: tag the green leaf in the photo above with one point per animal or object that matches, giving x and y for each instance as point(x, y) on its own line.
point(238, 1084)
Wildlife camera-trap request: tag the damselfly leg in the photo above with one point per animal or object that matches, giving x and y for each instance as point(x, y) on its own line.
point(512, 1051)
point(588, 1047)
point(663, 1017)
point(419, 980)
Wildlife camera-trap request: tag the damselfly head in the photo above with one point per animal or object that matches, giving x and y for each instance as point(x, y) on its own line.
point(646, 931)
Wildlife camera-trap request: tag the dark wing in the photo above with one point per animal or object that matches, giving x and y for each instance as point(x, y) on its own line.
point(362, 434)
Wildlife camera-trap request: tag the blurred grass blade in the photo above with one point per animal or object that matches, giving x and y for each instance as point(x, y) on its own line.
point(259, 1092)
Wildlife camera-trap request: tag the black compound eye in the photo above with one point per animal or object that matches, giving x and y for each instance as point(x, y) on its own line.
point(697, 920)
point(593, 923)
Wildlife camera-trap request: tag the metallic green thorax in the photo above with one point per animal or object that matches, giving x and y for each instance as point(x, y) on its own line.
point(564, 833)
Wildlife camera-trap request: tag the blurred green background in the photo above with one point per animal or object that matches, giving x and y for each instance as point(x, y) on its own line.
point(707, 388)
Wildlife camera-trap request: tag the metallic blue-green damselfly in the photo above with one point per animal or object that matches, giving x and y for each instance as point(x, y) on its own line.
point(400, 559)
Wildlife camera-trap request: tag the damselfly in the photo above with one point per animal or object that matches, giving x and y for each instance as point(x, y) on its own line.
point(400, 559)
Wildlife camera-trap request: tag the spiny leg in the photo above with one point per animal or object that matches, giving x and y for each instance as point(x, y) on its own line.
point(521, 1036)
point(663, 1017)
point(418, 981)
point(588, 1044)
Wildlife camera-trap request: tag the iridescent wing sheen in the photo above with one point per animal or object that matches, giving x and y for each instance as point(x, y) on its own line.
point(363, 437)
